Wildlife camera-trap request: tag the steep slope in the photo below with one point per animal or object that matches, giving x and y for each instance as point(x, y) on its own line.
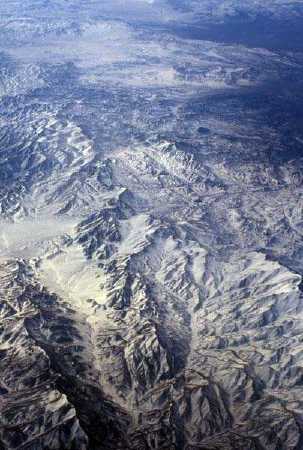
point(150, 231)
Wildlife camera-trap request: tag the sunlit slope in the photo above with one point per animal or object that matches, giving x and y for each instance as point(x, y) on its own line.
point(150, 232)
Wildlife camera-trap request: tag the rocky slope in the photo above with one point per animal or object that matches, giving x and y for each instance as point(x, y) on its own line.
point(150, 235)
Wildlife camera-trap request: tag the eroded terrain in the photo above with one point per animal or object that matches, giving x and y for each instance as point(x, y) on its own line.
point(151, 230)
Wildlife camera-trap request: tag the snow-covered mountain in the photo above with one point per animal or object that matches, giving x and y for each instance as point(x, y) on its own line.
point(151, 254)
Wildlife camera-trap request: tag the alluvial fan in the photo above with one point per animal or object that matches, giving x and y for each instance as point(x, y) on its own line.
point(151, 254)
